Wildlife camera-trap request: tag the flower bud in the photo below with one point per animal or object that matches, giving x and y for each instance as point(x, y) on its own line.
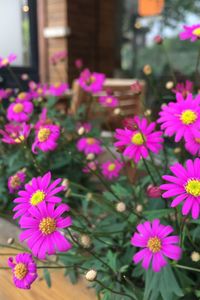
point(89, 196)
point(136, 87)
point(90, 156)
point(158, 39)
point(81, 130)
point(117, 111)
point(169, 85)
point(177, 150)
point(120, 207)
point(85, 241)
point(147, 112)
point(68, 193)
point(147, 70)
point(10, 241)
point(139, 208)
point(195, 256)
point(65, 183)
point(153, 191)
point(91, 275)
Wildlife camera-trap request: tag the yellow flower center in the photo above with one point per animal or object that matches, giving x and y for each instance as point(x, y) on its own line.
point(21, 96)
point(196, 31)
point(40, 91)
point(154, 244)
point(43, 134)
point(18, 107)
point(20, 139)
point(15, 181)
point(109, 100)
point(20, 271)
point(57, 84)
point(197, 140)
point(111, 167)
point(138, 139)
point(90, 141)
point(5, 61)
point(188, 117)
point(37, 197)
point(192, 187)
point(47, 226)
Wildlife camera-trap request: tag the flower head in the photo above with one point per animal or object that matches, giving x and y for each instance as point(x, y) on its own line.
point(42, 229)
point(153, 191)
point(78, 63)
point(19, 111)
point(136, 87)
point(137, 143)
point(58, 89)
point(15, 133)
point(58, 56)
point(16, 181)
point(4, 62)
point(157, 245)
point(23, 96)
point(191, 33)
point(108, 101)
point(4, 94)
point(184, 187)
point(91, 82)
point(24, 270)
point(192, 143)
point(180, 118)
point(46, 138)
point(37, 90)
point(39, 190)
point(184, 88)
point(111, 169)
point(89, 145)
point(91, 166)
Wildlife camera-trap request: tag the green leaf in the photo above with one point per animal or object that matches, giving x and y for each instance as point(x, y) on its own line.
point(47, 277)
point(159, 213)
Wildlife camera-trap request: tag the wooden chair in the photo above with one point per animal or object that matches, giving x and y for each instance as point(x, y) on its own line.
point(129, 103)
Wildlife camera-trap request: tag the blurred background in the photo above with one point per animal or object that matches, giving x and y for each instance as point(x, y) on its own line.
point(115, 37)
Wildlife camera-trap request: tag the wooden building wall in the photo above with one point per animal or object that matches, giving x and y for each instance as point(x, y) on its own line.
point(92, 27)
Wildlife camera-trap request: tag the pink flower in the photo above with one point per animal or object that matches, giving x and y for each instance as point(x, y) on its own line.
point(191, 33)
point(137, 143)
point(153, 191)
point(4, 94)
point(37, 191)
point(91, 166)
point(108, 101)
point(78, 63)
point(158, 39)
point(23, 96)
point(58, 89)
point(42, 229)
point(111, 169)
point(154, 238)
point(85, 125)
point(24, 270)
point(192, 143)
point(43, 119)
point(4, 62)
point(46, 138)
point(180, 118)
point(184, 89)
point(15, 133)
point(20, 111)
point(37, 90)
point(58, 57)
point(184, 186)
point(91, 82)
point(89, 145)
point(16, 181)
point(136, 87)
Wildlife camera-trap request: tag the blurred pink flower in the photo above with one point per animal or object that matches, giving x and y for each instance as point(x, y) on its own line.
point(4, 62)
point(91, 82)
point(153, 191)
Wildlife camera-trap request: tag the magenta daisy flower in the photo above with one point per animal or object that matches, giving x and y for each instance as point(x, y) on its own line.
point(108, 101)
point(46, 138)
point(23, 96)
point(180, 118)
point(58, 89)
point(20, 111)
point(137, 143)
point(91, 82)
point(192, 143)
point(184, 88)
point(89, 145)
point(24, 270)
point(16, 182)
point(42, 229)
point(157, 245)
point(37, 191)
point(4, 94)
point(15, 133)
point(4, 62)
point(191, 33)
point(184, 187)
point(111, 169)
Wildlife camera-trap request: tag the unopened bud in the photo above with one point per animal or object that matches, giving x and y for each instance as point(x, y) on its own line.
point(68, 193)
point(85, 241)
point(10, 241)
point(117, 111)
point(65, 183)
point(89, 196)
point(147, 70)
point(147, 112)
point(81, 130)
point(120, 207)
point(195, 256)
point(177, 150)
point(90, 156)
point(91, 275)
point(139, 208)
point(169, 85)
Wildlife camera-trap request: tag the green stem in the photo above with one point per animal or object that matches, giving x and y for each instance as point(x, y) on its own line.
point(113, 291)
point(186, 268)
point(197, 67)
point(170, 64)
point(15, 78)
point(148, 171)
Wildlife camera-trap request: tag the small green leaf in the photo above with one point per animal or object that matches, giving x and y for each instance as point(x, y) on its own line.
point(47, 277)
